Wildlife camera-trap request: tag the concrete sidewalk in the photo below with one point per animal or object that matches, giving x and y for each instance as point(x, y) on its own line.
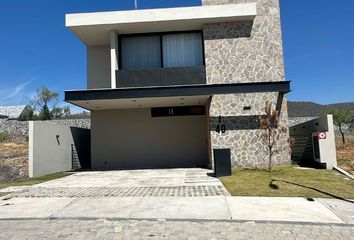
point(186, 208)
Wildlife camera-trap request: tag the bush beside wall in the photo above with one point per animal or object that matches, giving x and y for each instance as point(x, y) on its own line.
point(4, 136)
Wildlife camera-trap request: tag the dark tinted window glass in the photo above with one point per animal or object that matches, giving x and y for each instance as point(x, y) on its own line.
point(177, 111)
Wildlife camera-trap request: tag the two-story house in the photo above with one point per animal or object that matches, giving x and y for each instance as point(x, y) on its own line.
point(167, 86)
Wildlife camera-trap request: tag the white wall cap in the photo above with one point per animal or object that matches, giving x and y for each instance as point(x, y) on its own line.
point(93, 28)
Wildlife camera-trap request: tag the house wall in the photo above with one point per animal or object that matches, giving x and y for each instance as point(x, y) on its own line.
point(131, 138)
point(245, 52)
point(98, 67)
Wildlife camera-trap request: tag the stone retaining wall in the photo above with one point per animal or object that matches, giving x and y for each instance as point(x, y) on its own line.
point(18, 130)
point(298, 120)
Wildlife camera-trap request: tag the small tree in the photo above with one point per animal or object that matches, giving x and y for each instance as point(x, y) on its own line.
point(46, 104)
point(271, 131)
point(342, 118)
point(59, 112)
point(27, 114)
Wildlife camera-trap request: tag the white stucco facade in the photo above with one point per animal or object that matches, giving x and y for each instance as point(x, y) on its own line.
point(98, 67)
point(94, 28)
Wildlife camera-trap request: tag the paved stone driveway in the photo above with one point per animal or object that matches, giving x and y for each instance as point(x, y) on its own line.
point(133, 183)
point(104, 229)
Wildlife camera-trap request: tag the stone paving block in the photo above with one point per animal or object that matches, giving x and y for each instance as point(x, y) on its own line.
point(87, 192)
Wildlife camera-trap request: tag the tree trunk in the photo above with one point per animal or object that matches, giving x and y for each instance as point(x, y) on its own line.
point(270, 150)
point(342, 133)
point(270, 160)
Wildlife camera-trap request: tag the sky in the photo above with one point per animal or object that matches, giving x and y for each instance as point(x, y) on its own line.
point(36, 49)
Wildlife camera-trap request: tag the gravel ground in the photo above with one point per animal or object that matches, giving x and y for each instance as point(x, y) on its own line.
point(13, 161)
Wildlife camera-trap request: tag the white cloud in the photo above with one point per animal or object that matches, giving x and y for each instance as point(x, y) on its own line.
point(18, 94)
point(16, 91)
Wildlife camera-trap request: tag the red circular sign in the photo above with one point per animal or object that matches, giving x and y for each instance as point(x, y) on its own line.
point(322, 135)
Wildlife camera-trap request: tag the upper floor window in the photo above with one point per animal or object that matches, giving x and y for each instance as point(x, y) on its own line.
point(161, 50)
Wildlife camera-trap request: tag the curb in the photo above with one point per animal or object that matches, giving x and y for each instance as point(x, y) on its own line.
point(344, 172)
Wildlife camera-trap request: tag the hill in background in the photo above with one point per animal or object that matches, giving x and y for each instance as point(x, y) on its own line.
point(311, 109)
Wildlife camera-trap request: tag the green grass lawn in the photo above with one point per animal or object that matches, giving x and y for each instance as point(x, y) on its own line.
point(32, 181)
point(289, 182)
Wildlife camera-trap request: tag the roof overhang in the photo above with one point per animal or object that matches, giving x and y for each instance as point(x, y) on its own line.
point(94, 28)
point(144, 97)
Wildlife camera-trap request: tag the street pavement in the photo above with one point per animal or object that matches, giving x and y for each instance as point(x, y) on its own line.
point(173, 230)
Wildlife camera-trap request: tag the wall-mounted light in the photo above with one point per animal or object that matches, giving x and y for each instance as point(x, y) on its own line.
point(247, 108)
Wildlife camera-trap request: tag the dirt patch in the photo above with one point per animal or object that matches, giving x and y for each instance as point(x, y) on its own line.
point(13, 150)
point(345, 153)
point(13, 161)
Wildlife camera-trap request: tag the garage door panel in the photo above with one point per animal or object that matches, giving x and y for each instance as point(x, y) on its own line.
point(130, 139)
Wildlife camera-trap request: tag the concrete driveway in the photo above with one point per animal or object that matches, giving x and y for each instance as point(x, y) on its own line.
point(160, 194)
point(137, 178)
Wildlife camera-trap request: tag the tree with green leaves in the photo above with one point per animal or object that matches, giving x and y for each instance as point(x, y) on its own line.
point(342, 119)
point(28, 114)
point(44, 106)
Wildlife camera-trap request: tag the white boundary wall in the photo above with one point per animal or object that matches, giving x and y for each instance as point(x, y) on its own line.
point(50, 147)
point(327, 147)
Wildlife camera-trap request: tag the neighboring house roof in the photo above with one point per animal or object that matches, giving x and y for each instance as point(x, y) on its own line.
point(11, 111)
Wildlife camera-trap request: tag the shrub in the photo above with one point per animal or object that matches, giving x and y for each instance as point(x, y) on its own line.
point(4, 136)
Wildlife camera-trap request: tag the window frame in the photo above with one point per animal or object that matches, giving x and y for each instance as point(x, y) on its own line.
point(160, 34)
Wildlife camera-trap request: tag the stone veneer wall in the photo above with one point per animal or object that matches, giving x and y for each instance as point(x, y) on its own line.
point(245, 52)
point(18, 130)
point(298, 120)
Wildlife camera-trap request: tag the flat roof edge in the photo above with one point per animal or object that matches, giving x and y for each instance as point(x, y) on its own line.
point(161, 15)
point(184, 90)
